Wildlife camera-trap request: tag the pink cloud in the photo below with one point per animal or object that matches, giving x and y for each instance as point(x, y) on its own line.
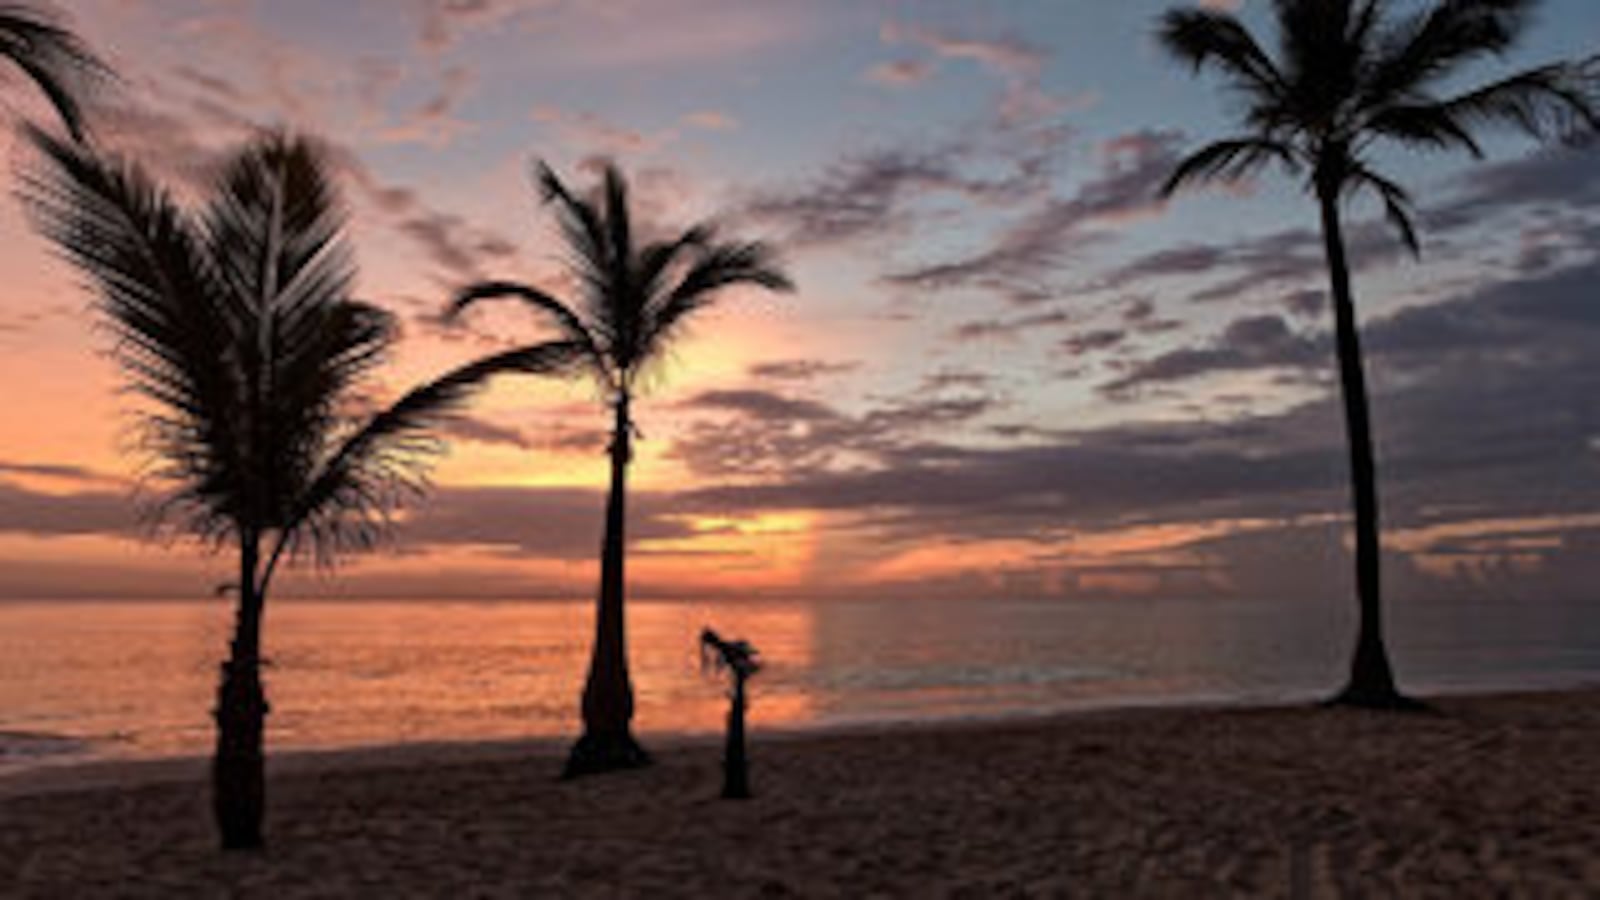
point(711, 120)
point(900, 73)
point(1020, 65)
point(590, 134)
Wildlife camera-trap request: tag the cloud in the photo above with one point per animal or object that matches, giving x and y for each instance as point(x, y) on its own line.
point(434, 121)
point(1094, 341)
point(1284, 261)
point(544, 523)
point(762, 434)
point(900, 73)
point(443, 22)
point(592, 135)
point(1254, 342)
point(711, 120)
point(1020, 262)
point(1550, 177)
point(1020, 326)
point(800, 369)
point(875, 195)
point(85, 512)
point(1019, 64)
point(478, 430)
point(458, 250)
point(57, 471)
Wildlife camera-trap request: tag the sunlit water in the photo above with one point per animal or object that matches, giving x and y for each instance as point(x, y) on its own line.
point(83, 680)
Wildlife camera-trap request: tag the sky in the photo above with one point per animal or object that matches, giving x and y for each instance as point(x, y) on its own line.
point(1009, 370)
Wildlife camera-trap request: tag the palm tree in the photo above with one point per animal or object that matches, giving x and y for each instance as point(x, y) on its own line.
point(237, 325)
point(740, 660)
point(1348, 76)
point(634, 301)
point(53, 58)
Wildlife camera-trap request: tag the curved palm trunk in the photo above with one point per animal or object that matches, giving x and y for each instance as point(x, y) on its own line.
point(1371, 681)
point(607, 743)
point(238, 787)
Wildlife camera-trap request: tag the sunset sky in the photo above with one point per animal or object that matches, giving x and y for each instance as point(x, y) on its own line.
point(1009, 370)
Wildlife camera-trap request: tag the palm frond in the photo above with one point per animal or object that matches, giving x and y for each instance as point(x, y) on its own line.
point(1228, 160)
point(1322, 51)
point(57, 61)
point(1540, 101)
point(1204, 38)
point(716, 267)
point(567, 322)
point(1396, 203)
point(1428, 45)
point(152, 280)
point(1428, 125)
point(580, 221)
point(619, 226)
point(350, 502)
point(276, 229)
point(657, 258)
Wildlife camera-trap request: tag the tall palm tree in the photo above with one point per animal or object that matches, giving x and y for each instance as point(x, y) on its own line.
point(634, 300)
point(1347, 77)
point(58, 63)
point(237, 326)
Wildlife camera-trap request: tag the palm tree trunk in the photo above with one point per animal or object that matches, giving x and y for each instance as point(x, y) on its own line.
point(735, 764)
point(1371, 681)
point(238, 788)
point(607, 743)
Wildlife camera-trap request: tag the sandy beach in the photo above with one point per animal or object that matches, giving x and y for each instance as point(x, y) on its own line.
point(1490, 796)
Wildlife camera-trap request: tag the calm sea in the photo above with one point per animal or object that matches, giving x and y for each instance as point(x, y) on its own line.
point(135, 679)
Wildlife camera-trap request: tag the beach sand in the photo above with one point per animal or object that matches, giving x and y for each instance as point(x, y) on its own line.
point(1491, 796)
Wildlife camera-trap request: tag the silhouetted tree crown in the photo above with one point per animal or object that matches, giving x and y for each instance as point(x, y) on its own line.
point(632, 299)
point(1351, 75)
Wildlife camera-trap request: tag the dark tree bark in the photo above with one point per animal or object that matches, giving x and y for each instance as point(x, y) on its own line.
point(735, 764)
point(238, 786)
point(607, 743)
point(1371, 681)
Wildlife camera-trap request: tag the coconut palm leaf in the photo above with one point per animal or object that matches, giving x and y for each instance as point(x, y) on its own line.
point(1228, 160)
point(1397, 207)
point(349, 504)
point(1206, 38)
point(155, 285)
point(1539, 101)
point(716, 267)
point(57, 61)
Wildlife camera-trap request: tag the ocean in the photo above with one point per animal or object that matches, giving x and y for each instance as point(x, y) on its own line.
point(94, 680)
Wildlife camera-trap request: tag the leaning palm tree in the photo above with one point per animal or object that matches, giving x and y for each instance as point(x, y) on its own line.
point(57, 62)
point(237, 326)
point(1348, 76)
point(634, 301)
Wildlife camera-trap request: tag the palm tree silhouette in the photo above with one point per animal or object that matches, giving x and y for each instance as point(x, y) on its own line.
point(237, 325)
point(1350, 75)
point(53, 58)
point(634, 301)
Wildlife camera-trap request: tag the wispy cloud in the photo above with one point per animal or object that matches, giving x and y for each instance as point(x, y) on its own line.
point(1022, 260)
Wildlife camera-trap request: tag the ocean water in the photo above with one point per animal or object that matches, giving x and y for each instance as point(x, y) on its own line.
point(81, 680)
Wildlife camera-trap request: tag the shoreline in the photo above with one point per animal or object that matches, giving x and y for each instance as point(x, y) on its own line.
point(95, 773)
point(71, 775)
